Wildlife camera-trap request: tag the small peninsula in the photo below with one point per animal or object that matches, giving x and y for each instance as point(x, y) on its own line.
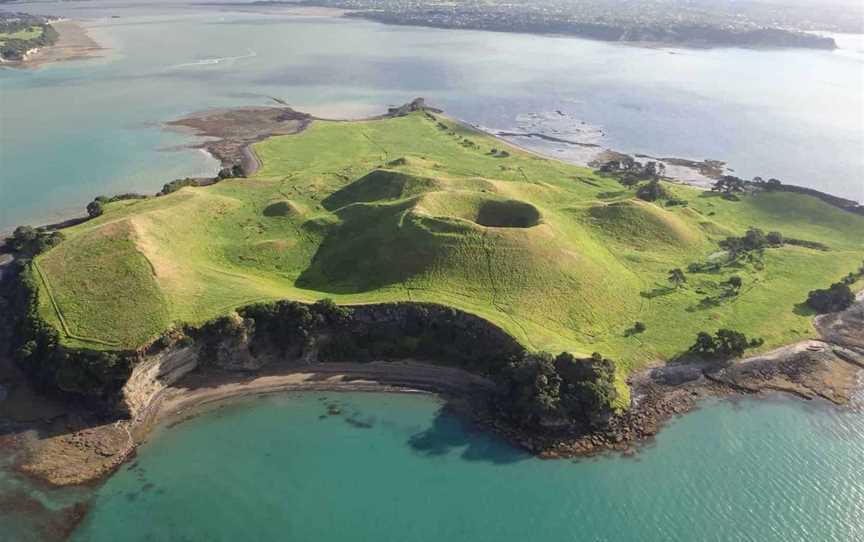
point(572, 310)
point(28, 41)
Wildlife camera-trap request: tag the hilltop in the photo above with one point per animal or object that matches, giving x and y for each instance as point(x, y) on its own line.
point(423, 208)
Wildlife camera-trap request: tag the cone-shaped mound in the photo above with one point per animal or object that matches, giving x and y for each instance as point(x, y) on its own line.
point(480, 209)
point(380, 185)
point(637, 223)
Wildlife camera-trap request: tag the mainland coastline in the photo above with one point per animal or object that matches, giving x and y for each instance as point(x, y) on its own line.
point(78, 447)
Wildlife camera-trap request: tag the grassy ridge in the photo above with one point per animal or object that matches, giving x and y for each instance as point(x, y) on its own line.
point(420, 208)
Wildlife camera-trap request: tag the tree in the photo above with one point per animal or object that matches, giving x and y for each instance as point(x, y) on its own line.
point(728, 184)
point(639, 327)
point(775, 238)
point(704, 344)
point(237, 171)
point(650, 191)
point(837, 298)
point(754, 239)
point(95, 208)
point(27, 239)
point(22, 238)
point(725, 343)
point(730, 343)
point(734, 284)
point(677, 277)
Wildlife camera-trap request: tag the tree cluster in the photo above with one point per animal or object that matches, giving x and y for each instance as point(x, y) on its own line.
point(726, 343)
point(233, 172)
point(535, 388)
point(32, 241)
point(836, 298)
point(754, 240)
point(729, 184)
point(97, 206)
point(651, 191)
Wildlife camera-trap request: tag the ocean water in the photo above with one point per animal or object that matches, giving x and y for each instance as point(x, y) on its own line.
point(71, 131)
point(395, 468)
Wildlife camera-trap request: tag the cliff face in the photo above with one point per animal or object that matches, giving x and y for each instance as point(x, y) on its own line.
point(300, 334)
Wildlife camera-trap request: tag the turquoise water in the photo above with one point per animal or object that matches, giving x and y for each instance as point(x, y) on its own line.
point(394, 468)
point(71, 131)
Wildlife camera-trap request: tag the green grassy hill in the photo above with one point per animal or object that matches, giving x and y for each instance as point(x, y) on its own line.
point(420, 208)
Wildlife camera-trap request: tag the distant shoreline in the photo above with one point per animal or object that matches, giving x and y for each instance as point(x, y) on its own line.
point(73, 43)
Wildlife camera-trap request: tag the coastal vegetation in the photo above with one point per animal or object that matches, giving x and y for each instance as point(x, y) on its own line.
point(21, 33)
point(419, 209)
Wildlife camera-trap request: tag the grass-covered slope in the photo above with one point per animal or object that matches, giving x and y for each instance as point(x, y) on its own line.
point(420, 208)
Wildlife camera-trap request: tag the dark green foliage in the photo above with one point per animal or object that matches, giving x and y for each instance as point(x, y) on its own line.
point(733, 285)
point(535, 388)
point(639, 327)
point(726, 343)
point(28, 240)
point(530, 389)
point(729, 184)
point(176, 185)
point(775, 238)
point(755, 239)
point(15, 48)
point(651, 191)
point(677, 277)
point(95, 208)
point(233, 172)
point(283, 324)
point(837, 298)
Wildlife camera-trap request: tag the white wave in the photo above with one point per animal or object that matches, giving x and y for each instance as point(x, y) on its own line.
point(212, 61)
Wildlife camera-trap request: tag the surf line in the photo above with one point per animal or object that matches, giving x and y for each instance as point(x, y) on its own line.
point(212, 61)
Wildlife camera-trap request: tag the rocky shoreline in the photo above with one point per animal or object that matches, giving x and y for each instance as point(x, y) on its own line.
point(68, 445)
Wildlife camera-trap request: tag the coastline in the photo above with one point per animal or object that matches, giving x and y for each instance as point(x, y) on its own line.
point(73, 43)
point(67, 445)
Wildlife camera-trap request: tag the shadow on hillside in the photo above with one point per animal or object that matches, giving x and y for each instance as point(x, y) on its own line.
point(803, 309)
point(449, 434)
point(657, 292)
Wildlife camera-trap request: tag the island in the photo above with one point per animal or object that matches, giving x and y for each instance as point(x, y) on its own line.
point(571, 310)
point(664, 22)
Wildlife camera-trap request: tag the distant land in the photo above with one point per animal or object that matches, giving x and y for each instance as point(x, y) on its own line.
point(670, 22)
point(21, 34)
